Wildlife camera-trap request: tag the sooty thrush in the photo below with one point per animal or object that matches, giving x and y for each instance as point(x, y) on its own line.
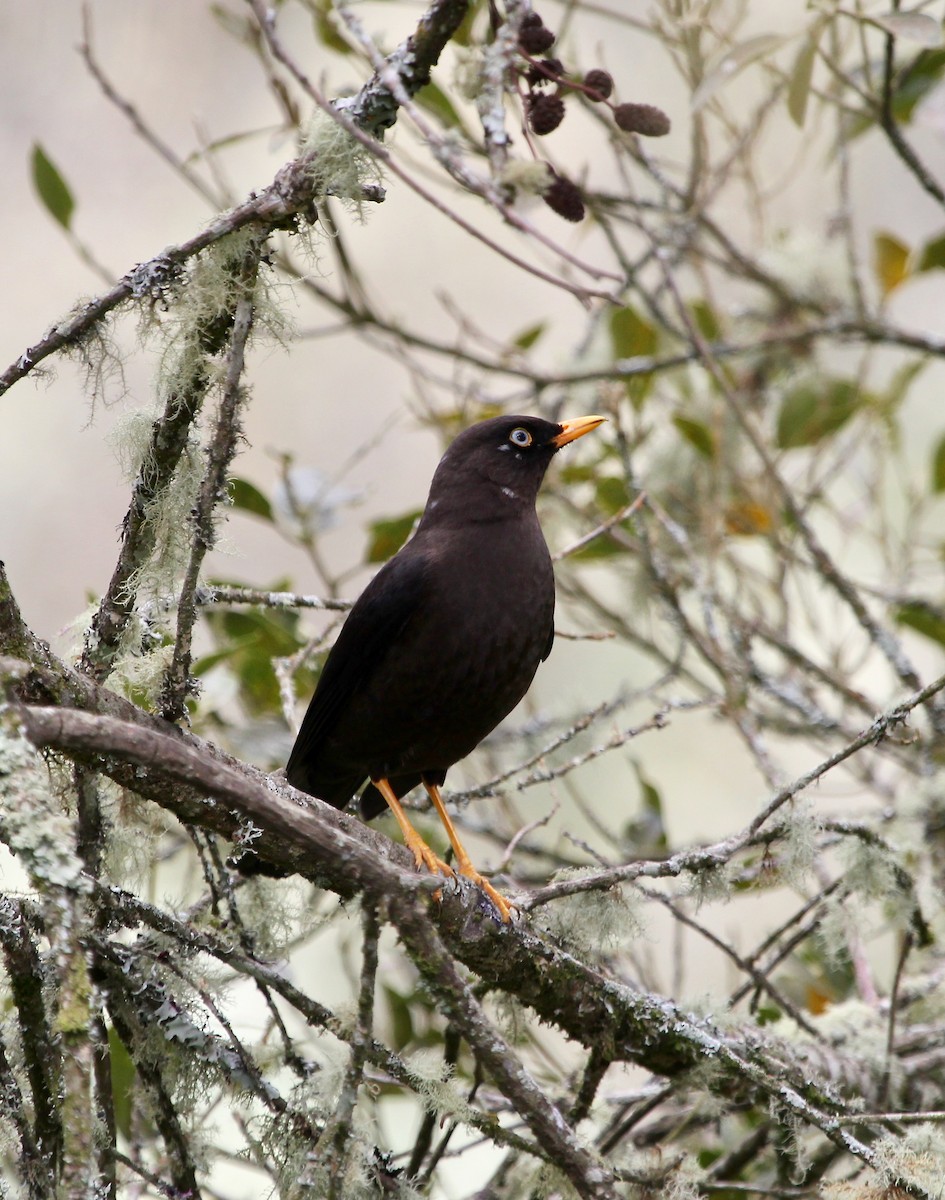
point(445, 640)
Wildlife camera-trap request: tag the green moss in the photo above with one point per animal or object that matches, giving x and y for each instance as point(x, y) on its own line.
point(593, 924)
point(72, 1019)
point(340, 164)
point(32, 821)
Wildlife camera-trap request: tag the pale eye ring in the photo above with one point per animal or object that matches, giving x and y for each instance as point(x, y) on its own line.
point(520, 437)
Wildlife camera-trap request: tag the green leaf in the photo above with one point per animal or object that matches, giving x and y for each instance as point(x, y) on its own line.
point(248, 498)
point(647, 833)
point(432, 97)
point(887, 403)
point(52, 188)
point(600, 547)
point(802, 72)
point(924, 618)
point(528, 337)
point(325, 29)
point(902, 379)
point(650, 796)
point(206, 662)
point(698, 435)
point(630, 335)
point(813, 411)
point(247, 639)
point(931, 255)
point(464, 33)
point(400, 1017)
point(890, 261)
point(123, 1076)
point(706, 320)
point(612, 494)
point(571, 472)
point(706, 1157)
point(917, 80)
point(388, 535)
point(938, 467)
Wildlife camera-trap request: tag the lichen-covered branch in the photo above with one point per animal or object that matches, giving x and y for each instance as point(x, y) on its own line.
point(583, 1002)
point(374, 108)
point(42, 1145)
point(171, 434)
point(177, 682)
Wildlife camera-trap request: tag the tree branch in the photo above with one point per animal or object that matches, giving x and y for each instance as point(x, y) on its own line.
point(341, 853)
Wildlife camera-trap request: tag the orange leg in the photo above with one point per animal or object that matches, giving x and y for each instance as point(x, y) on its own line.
point(463, 861)
point(422, 853)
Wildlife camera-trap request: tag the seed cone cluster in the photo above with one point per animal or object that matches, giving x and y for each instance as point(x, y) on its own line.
point(548, 85)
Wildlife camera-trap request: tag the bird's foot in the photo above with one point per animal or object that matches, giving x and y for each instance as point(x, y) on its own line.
point(423, 856)
point(503, 907)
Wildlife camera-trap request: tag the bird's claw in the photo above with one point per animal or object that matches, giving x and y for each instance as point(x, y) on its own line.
point(499, 902)
point(423, 856)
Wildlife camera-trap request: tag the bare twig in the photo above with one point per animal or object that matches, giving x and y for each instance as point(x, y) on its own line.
point(710, 857)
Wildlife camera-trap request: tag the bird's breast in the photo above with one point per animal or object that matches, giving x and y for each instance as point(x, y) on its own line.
point(495, 582)
point(471, 651)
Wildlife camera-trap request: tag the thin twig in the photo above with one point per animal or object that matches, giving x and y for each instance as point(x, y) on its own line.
point(711, 857)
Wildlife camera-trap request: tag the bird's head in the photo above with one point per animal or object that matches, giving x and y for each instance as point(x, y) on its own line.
point(496, 466)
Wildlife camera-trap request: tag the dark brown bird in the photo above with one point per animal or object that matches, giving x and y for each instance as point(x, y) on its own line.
point(445, 639)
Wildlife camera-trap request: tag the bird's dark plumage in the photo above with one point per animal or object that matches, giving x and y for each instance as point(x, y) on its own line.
point(447, 637)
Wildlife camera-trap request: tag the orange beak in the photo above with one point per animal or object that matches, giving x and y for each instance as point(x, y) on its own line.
point(575, 429)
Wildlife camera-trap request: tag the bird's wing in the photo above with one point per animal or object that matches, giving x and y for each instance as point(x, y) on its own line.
point(373, 625)
point(551, 636)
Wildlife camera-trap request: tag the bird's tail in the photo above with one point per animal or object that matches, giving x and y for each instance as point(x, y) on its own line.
point(373, 803)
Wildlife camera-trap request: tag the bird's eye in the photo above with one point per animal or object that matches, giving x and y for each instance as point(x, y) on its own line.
point(521, 437)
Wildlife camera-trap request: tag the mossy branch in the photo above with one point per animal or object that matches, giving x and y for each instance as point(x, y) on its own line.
point(180, 1163)
point(35, 1168)
point(343, 854)
point(210, 333)
point(24, 969)
point(374, 108)
point(177, 682)
point(127, 910)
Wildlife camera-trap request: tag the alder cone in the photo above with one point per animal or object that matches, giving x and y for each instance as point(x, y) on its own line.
point(564, 198)
point(599, 82)
point(534, 37)
point(645, 119)
point(545, 113)
point(548, 70)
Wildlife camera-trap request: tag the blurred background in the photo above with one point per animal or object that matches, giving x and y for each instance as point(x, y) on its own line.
point(331, 398)
point(371, 418)
point(322, 398)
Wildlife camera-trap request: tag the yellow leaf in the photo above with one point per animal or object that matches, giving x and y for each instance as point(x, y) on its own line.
point(747, 517)
point(890, 261)
point(817, 1000)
